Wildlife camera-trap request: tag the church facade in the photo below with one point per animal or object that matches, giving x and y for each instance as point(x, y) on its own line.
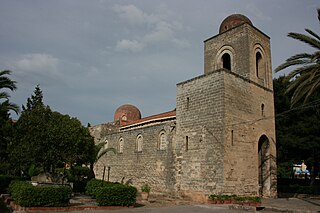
point(220, 139)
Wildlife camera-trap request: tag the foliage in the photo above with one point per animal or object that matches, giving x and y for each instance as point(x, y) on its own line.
point(35, 100)
point(78, 175)
point(116, 195)
point(27, 195)
point(5, 181)
point(94, 184)
point(235, 198)
point(6, 124)
point(305, 80)
point(48, 139)
point(5, 104)
point(145, 188)
point(297, 131)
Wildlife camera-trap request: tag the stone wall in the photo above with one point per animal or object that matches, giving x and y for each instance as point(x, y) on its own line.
point(246, 122)
point(152, 166)
point(200, 118)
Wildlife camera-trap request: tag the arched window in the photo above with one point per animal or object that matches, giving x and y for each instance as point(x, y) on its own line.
point(162, 141)
point(262, 109)
point(226, 61)
point(258, 63)
point(121, 144)
point(124, 118)
point(139, 143)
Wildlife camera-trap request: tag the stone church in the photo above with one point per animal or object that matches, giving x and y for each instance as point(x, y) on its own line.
point(220, 139)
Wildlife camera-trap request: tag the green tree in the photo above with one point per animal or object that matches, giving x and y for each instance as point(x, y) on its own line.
point(297, 130)
point(6, 123)
point(305, 80)
point(35, 100)
point(48, 139)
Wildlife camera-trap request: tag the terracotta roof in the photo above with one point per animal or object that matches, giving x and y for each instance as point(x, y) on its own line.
point(151, 118)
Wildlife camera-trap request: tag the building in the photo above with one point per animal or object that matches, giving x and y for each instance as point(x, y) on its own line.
point(220, 139)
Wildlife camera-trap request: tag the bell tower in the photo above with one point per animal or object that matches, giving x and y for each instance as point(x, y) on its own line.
point(240, 48)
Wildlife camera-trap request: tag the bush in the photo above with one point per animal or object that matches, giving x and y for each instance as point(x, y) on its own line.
point(116, 195)
point(93, 185)
point(145, 188)
point(27, 195)
point(5, 181)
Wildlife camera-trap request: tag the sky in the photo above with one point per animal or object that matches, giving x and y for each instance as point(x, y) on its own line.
point(92, 56)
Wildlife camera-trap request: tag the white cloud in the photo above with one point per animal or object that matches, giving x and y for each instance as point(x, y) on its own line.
point(158, 29)
point(37, 68)
point(129, 45)
point(131, 14)
point(38, 62)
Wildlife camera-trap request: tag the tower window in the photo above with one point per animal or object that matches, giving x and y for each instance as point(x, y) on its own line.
point(232, 138)
point(258, 63)
point(187, 143)
point(226, 61)
point(188, 102)
point(262, 109)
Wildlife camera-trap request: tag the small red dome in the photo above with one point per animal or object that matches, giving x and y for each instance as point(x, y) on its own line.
point(127, 112)
point(232, 21)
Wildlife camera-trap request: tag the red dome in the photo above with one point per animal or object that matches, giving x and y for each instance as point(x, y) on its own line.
point(127, 112)
point(232, 21)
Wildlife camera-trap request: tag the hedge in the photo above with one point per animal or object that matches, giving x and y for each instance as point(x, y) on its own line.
point(25, 194)
point(93, 185)
point(116, 195)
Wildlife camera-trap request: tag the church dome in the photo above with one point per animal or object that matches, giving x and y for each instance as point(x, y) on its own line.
point(127, 112)
point(232, 21)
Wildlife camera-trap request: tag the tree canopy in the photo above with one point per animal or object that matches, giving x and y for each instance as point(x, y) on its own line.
point(297, 130)
point(48, 139)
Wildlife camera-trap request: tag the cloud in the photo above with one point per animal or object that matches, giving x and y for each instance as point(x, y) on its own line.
point(156, 28)
point(131, 14)
point(36, 68)
point(37, 62)
point(129, 45)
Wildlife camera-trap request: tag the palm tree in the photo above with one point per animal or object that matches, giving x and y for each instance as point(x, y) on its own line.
point(7, 83)
point(98, 152)
point(305, 80)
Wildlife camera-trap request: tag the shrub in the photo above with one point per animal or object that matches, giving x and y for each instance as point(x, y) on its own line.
point(116, 195)
point(93, 185)
point(145, 188)
point(27, 195)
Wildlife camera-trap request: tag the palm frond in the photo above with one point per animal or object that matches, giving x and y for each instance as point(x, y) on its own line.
point(313, 34)
point(290, 63)
point(7, 106)
point(6, 82)
point(105, 151)
point(306, 39)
